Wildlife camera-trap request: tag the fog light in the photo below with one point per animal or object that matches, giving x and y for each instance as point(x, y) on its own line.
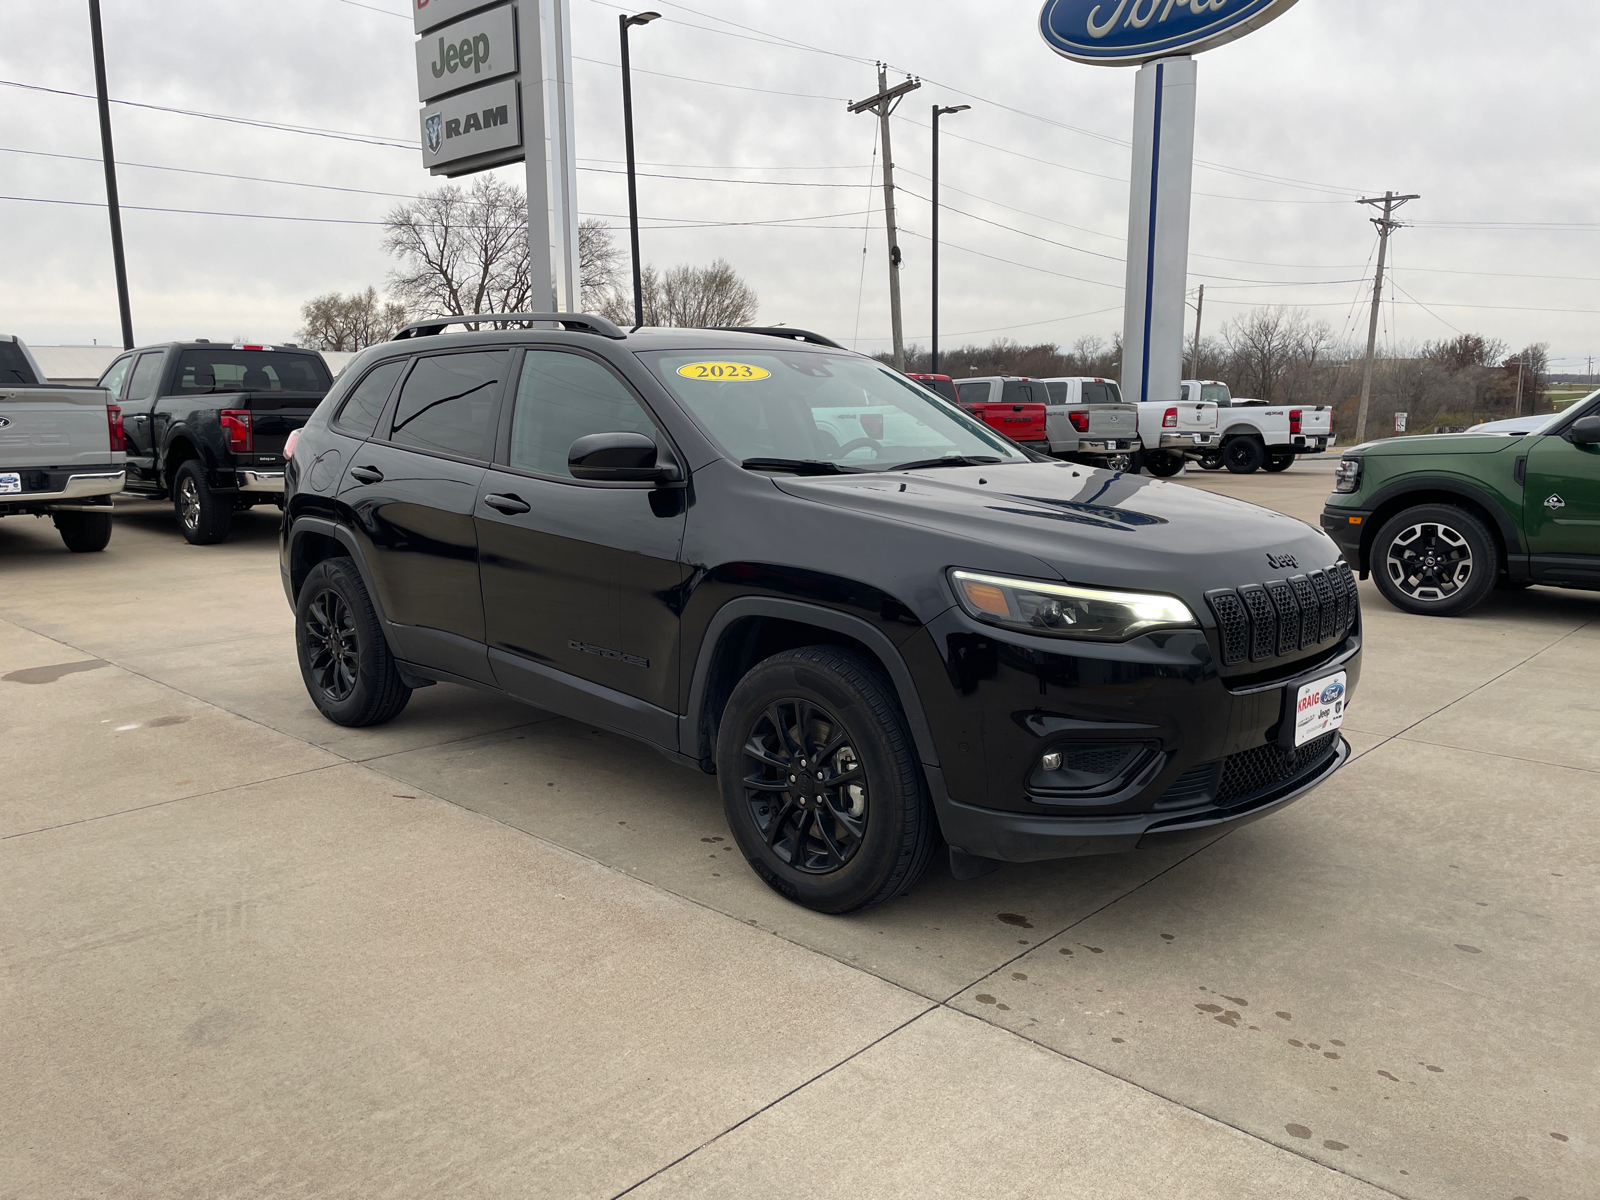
point(1051, 761)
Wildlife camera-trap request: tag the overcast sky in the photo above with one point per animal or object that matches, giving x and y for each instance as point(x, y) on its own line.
point(1487, 109)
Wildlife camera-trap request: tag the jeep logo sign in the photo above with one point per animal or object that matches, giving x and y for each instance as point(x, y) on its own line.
point(1127, 32)
point(471, 124)
point(476, 50)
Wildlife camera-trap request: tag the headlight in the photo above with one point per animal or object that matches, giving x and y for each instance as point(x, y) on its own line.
point(1063, 610)
point(1347, 475)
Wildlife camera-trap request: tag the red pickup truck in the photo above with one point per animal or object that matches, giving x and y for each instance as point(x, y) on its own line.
point(1020, 419)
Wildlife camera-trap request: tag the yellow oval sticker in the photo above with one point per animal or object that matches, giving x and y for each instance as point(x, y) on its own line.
point(723, 372)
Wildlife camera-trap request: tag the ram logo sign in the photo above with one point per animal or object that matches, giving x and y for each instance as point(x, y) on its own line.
point(1120, 33)
point(472, 129)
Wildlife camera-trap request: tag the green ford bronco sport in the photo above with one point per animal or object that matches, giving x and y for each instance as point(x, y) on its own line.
point(1440, 520)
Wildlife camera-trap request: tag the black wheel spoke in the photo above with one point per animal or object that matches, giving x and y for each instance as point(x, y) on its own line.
point(775, 830)
point(797, 855)
point(767, 785)
point(754, 749)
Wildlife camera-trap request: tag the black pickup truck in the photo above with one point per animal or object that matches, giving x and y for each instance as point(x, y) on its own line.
point(206, 424)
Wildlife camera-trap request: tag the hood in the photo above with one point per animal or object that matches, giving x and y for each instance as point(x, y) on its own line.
point(1103, 528)
point(1438, 443)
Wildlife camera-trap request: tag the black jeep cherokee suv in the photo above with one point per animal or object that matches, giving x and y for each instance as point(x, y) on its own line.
point(875, 619)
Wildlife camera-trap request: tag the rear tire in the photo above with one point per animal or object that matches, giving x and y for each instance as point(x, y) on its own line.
point(1164, 464)
point(1278, 462)
point(345, 661)
point(1131, 462)
point(1243, 455)
point(83, 532)
point(861, 834)
point(204, 517)
point(1211, 462)
point(1435, 560)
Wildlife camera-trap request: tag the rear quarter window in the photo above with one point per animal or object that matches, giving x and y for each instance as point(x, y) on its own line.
point(359, 413)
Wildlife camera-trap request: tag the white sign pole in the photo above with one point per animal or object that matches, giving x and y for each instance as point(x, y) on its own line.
point(545, 38)
point(1158, 230)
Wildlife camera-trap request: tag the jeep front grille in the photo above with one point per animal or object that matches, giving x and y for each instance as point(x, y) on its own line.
point(1285, 616)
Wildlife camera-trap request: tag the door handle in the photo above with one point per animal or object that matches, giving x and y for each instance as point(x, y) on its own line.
point(367, 474)
point(510, 505)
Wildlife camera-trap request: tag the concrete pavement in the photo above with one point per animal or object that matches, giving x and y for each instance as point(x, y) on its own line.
point(485, 951)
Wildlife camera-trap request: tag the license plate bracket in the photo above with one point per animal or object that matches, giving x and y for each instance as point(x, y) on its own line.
point(1313, 709)
point(10, 483)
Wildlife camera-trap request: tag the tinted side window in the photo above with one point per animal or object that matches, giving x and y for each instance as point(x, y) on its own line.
point(146, 372)
point(561, 398)
point(364, 405)
point(450, 402)
point(973, 393)
point(112, 379)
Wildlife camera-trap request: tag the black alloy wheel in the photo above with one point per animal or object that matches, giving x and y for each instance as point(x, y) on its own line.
point(1211, 462)
point(1435, 560)
point(1165, 464)
point(345, 661)
point(1130, 462)
point(1278, 462)
point(821, 783)
point(1243, 455)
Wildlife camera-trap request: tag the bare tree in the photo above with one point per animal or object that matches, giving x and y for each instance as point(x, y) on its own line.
point(688, 297)
point(353, 322)
point(467, 251)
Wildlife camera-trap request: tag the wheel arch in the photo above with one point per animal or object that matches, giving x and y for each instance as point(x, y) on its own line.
point(1397, 498)
point(315, 539)
point(749, 629)
point(180, 449)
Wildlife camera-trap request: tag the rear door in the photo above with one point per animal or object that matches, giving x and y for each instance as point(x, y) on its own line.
point(138, 421)
point(1561, 510)
point(410, 493)
point(579, 578)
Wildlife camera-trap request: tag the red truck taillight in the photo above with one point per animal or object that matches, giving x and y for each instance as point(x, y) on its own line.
point(1080, 420)
point(119, 436)
point(236, 426)
point(1170, 421)
point(1294, 420)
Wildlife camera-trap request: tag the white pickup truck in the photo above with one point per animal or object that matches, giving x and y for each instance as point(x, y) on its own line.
point(1089, 422)
point(1257, 435)
point(1169, 432)
point(61, 450)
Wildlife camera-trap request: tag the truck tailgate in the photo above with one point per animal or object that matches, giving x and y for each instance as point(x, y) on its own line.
point(274, 416)
point(1195, 417)
point(1113, 421)
point(1019, 422)
point(54, 427)
point(1316, 422)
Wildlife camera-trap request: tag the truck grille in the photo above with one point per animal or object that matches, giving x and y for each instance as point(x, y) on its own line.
point(1285, 616)
point(1252, 771)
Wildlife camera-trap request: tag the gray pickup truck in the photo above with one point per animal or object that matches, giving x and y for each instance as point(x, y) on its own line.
point(207, 422)
point(61, 450)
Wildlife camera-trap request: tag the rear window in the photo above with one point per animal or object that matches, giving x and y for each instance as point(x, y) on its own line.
point(1024, 393)
point(225, 370)
point(14, 367)
point(973, 393)
point(1215, 393)
point(1101, 393)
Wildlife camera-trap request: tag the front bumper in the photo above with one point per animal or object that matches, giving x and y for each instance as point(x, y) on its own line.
point(1188, 441)
point(1346, 526)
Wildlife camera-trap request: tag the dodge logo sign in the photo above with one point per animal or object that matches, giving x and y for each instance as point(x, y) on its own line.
point(435, 127)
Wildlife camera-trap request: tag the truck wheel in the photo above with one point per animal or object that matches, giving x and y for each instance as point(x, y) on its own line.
point(1435, 560)
point(820, 781)
point(1243, 455)
point(83, 532)
point(1278, 462)
point(345, 660)
point(1211, 462)
point(1131, 462)
point(1164, 465)
point(204, 517)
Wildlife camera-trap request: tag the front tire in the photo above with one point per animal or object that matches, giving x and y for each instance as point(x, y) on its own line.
point(83, 532)
point(1435, 560)
point(1164, 465)
point(1243, 455)
point(820, 781)
point(204, 517)
point(345, 661)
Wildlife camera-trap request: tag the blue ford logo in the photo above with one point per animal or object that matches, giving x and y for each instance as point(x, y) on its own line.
point(1123, 32)
point(1332, 692)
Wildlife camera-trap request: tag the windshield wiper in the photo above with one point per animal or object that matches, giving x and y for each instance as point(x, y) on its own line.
point(948, 460)
point(800, 466)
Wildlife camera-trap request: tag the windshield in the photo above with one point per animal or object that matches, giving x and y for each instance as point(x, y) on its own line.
point(834, 408)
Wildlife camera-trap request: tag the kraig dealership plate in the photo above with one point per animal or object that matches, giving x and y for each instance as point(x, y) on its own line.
point(1319, 708)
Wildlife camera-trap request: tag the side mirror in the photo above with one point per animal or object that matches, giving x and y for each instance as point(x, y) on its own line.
point(1585, 432)
point(616, 458)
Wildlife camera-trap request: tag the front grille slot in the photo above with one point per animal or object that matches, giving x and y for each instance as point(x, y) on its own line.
point(1285, 616)
point(1193, 787)
point(1251, 771)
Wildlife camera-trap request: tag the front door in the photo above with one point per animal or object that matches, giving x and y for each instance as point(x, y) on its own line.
point(578, 578)
point(1561, 511)
point(411, 492)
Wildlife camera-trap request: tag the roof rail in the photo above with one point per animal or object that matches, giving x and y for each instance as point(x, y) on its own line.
point(783, 331)
point(581, 322)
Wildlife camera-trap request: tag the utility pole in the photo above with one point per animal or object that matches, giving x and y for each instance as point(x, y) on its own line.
point(934, 338)
point(1386, 226)
point(884, 103)
point(1521, 359)
point(1199, 312)
point(118, 263)
point(625, 23)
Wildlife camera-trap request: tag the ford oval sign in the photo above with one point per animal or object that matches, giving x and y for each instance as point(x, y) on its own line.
point(1118, 33)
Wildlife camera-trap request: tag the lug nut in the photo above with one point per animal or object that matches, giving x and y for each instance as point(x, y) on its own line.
point(1051, 761)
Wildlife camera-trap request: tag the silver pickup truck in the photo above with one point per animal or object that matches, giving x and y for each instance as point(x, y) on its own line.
point(61, 450)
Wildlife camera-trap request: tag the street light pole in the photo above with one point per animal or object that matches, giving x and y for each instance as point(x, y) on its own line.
point(625, 23)
point(937, 113)
point(118, 263)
